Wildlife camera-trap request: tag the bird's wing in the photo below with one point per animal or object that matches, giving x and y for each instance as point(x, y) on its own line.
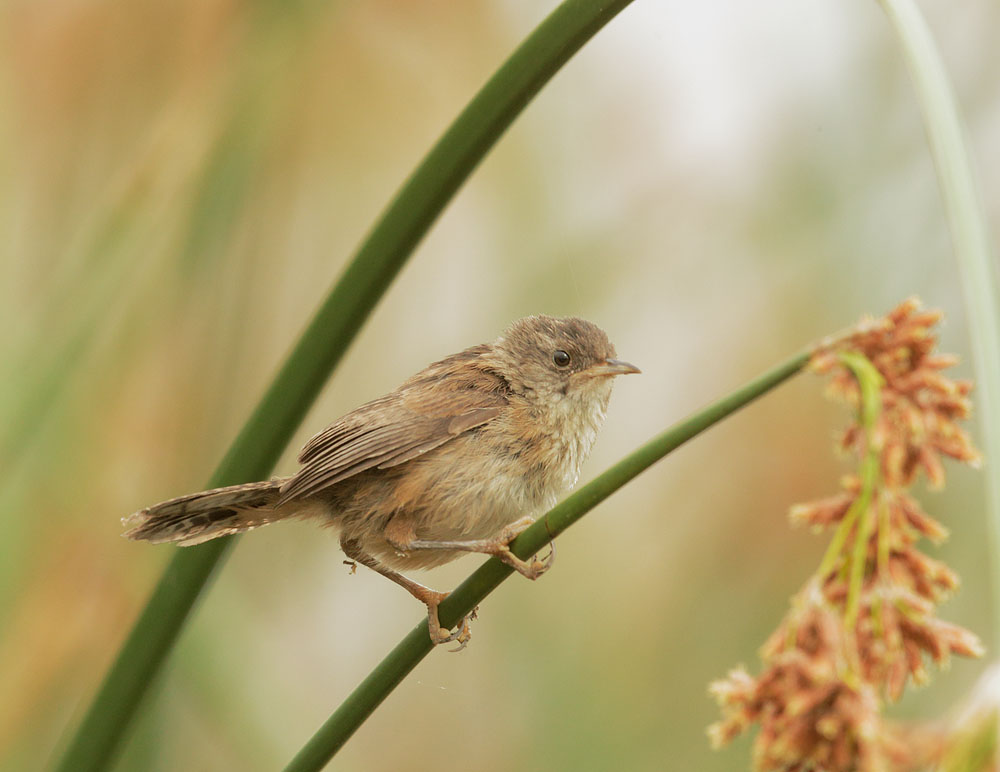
point(428, 410)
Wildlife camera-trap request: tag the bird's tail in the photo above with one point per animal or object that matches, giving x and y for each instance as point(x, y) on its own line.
point(199, 517)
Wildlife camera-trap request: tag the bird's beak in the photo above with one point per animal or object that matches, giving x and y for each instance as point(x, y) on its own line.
point(610, 367)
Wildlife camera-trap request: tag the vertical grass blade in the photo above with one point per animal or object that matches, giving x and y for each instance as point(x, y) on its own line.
point(377, 262)
point(970, 236)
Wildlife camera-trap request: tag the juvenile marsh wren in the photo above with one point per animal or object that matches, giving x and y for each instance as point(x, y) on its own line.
point(460, 458)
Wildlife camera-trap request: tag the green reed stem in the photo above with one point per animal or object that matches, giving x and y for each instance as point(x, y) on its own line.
point(388, 674)
point(378, 260)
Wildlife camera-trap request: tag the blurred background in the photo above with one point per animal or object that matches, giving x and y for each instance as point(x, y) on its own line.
point(715, 184)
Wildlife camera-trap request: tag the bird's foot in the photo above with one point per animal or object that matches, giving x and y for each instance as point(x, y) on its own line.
point(500, 547)
point(462, 633)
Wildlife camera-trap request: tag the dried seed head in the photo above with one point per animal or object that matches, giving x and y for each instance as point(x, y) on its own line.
point(864, 625)
point(920, 404)
point(810, 716)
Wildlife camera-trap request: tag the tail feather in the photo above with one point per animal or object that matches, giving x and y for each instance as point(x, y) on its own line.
point(199, 517)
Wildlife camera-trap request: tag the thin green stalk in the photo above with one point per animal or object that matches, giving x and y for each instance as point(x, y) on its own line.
point(869, 381)
point(378, 260)
point(870, 385)
point(836, 546)
point(859, 556)
point(416, 645)
point(970, 236)
point(881, 564)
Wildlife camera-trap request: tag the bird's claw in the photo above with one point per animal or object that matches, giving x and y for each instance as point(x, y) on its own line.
point(463, 634)
point(438, 634)
point(545, 563)
point(531, 569)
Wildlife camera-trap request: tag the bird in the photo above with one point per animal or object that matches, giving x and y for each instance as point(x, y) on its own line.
point(462, 457)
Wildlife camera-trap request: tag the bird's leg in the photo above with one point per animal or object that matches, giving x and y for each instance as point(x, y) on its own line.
point(427, 596)
point(498, 546)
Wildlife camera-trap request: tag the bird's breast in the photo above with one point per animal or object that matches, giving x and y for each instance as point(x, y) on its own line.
point(552, 444)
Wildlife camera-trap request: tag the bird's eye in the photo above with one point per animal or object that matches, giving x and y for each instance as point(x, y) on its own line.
point(561, 358)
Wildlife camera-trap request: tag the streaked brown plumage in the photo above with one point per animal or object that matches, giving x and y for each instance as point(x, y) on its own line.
point(459, 458)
